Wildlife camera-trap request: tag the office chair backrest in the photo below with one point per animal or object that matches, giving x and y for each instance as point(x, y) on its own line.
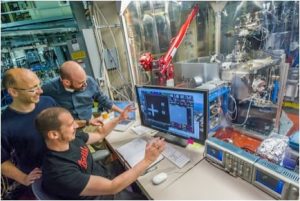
point(39, 192)
point(100, 155)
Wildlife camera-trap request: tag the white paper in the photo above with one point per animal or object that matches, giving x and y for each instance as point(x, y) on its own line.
point(134, 151)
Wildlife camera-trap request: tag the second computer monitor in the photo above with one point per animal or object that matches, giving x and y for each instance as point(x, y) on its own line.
point(175, 111)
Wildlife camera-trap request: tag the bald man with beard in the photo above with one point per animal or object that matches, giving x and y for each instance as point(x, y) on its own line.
point(76, 92)
point(20, 141)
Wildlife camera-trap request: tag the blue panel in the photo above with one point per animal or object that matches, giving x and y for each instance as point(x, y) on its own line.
point(217, 93)
point(275, 91)
point(294, 141)
point(272, 183)
point(216, 153)
point(213, 95)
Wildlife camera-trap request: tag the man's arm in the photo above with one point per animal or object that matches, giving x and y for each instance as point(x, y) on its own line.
point(9, 170)
point(104, 103)
point(103, 131)
point(101, 186)
point(48, 88)
point(116, 108)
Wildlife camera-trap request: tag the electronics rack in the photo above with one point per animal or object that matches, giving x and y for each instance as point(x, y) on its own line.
point(276, 180)
point(234, 160)
point(217, 99)
point(271, 178)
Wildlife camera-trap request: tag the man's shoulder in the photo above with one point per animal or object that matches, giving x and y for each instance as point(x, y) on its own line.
point(54, 159)
point(5, 113)
point(52, 81)
point(47, 99)
point(81, 136)
point(91, 80)
point(51, 84)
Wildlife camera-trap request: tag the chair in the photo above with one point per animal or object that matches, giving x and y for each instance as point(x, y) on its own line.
point(100, 154)
point(40, 194)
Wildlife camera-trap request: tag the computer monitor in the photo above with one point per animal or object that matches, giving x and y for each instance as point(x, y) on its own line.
point(174, 111)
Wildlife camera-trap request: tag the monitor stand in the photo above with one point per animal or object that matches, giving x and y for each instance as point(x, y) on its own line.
point(172, 139)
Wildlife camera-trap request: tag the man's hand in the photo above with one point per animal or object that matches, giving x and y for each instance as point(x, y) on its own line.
point(80, 123)
point(96, 121)
point(124, 113)
point(154, 148)
point(35, 174)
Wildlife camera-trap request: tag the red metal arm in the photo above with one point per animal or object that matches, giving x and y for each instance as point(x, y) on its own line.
point(164, 63)
point(167, 59)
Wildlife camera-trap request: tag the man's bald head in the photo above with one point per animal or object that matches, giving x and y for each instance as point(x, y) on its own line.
point(70, 70)
point(18, 77)
point(73, 76)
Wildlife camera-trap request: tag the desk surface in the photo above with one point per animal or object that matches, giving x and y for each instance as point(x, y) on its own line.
point(197, 180)
point(207, 182)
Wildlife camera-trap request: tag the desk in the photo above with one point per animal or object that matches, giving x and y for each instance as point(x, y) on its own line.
point(207, 182)
point(197, 180)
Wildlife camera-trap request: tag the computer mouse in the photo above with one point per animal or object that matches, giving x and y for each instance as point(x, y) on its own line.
point(159, 178)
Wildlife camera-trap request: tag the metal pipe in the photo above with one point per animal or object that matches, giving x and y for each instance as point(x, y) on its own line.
point(284, 74)
point(218, 33)
point(133, 70)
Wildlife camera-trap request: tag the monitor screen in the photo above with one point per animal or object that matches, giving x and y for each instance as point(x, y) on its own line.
point(175, 111)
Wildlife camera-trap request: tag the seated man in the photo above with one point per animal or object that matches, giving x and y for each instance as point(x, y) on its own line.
point(20, 141)
point(76, 92)
point(69, 171)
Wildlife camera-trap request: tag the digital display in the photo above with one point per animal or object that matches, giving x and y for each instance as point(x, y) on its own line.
point(179, 112)
point(217, 154)
point(269, 181)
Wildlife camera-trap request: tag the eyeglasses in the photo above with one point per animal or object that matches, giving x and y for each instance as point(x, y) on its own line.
point(84, 83)
point(31, 90)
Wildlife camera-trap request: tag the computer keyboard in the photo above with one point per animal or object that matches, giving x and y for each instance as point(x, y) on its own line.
point(175, 156)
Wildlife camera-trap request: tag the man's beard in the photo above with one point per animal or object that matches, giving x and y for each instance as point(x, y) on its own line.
point(72, 90)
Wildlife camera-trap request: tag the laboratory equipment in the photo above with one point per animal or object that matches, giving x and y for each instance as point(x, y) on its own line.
point(164, 64)
point(236, 153)
point(278, 181)
point(235, 160)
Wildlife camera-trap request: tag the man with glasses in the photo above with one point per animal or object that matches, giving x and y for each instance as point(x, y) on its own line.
point(76, 91)
point(20, 141)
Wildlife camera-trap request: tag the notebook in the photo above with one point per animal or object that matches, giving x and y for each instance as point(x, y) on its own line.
point(124, 125)
point(134, 151)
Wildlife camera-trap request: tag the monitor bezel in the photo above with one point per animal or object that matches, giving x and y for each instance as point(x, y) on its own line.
point(205, 121)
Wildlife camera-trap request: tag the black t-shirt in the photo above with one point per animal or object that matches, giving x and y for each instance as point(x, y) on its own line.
point(65, 174)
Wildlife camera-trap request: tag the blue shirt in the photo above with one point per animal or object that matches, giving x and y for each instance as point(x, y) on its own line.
point(79, 103)
point(20, 140)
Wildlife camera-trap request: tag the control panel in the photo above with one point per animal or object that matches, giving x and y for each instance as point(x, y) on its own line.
point(234, 160)
point(275, 180)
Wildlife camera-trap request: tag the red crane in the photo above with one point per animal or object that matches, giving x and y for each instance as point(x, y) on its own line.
point(166, 68)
